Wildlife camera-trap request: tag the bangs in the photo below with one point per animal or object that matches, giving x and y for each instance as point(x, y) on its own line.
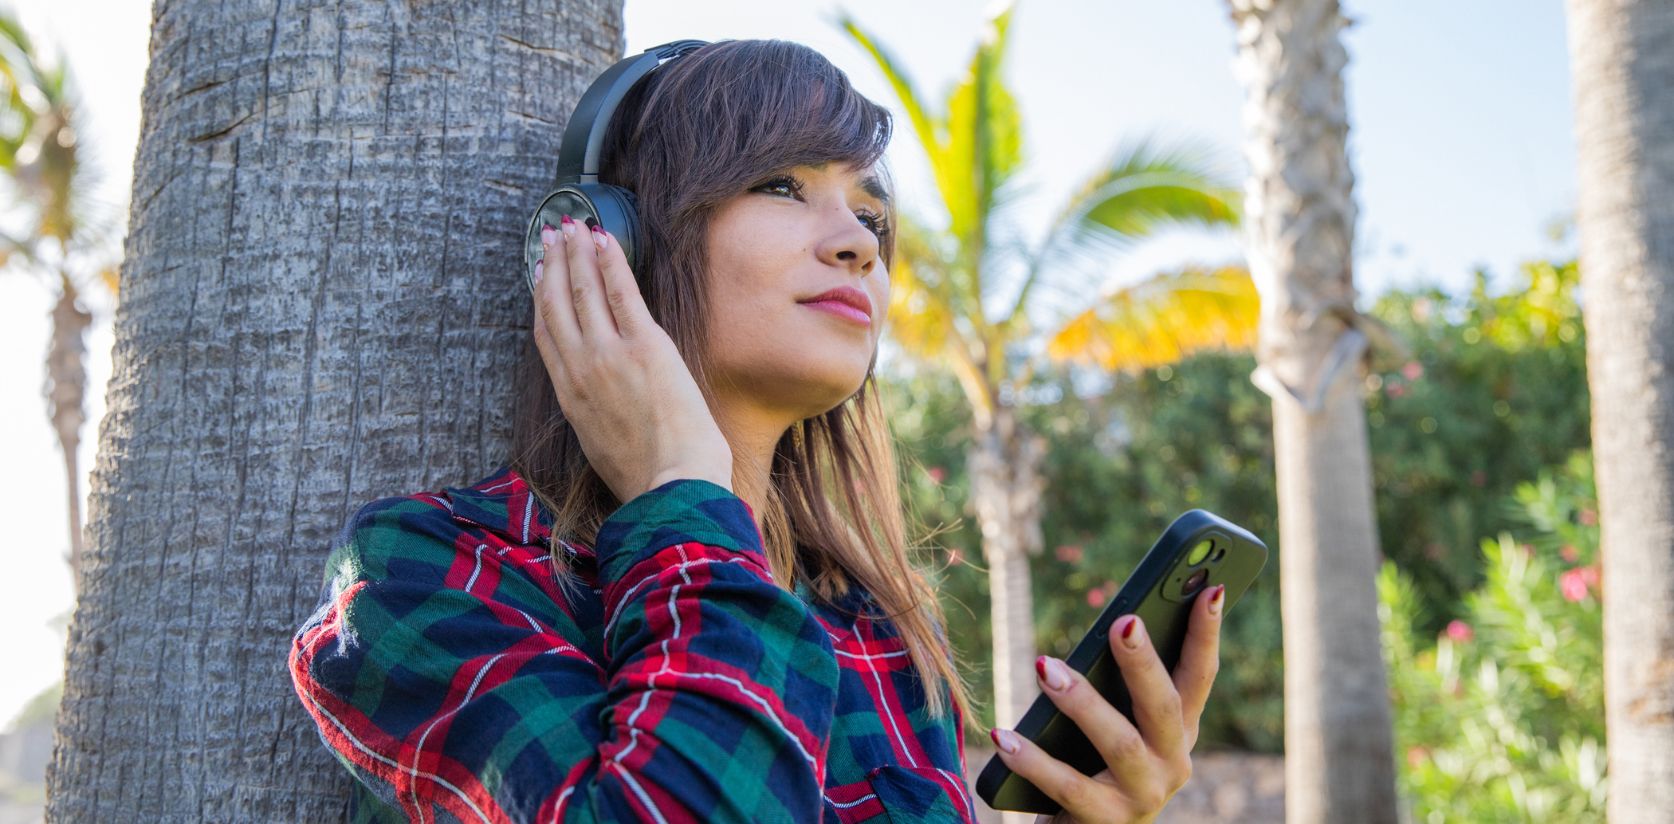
point(758, 107)
point(808, 118)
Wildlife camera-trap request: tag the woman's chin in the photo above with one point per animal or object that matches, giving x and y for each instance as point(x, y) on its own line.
point(828, 395)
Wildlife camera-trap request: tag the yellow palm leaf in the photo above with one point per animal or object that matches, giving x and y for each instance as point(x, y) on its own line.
point(111, 277)
point(1162, 320)
point(918, 319)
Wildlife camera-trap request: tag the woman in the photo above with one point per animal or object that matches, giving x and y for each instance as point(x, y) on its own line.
point(687, 596)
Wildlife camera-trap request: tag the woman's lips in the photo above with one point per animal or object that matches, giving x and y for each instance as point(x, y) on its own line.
point(841, 310)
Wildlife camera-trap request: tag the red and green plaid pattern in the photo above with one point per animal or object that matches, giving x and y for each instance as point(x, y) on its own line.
point(458, 680)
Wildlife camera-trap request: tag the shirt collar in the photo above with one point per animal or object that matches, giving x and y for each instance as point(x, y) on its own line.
point(503, 504)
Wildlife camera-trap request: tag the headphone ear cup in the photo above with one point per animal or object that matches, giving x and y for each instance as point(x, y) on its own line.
point(613, 207)
point(618, 211)
point(565, 200)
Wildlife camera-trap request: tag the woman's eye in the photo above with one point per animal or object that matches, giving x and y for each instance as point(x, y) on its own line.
point(879, 226)
point(790, 185)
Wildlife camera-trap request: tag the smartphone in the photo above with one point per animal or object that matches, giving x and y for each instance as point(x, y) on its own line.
point(1198, 551)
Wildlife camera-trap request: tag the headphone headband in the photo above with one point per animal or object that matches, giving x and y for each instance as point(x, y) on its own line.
point(584, 136)
point(577, 192)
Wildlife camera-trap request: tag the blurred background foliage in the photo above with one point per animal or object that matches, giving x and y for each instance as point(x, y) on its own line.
point(1500, 717)
point(1494, 393)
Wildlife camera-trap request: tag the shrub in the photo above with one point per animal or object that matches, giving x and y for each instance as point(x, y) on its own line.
point(1501, 717)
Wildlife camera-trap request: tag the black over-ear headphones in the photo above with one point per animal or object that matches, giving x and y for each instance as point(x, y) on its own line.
point(577, 191)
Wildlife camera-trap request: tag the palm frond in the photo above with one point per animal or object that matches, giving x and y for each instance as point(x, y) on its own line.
point(985, 132)
point(925, 127)
point(1162, 319)
point(42, 157)
point(1144, 188)
point(918, 319)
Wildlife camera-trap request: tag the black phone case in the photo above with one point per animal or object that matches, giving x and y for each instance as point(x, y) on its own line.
point(1154, 593)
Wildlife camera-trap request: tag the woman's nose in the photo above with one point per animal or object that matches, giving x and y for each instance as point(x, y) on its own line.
point(853, 244)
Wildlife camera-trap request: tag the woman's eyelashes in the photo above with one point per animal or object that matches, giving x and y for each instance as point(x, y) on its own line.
point(879, 225)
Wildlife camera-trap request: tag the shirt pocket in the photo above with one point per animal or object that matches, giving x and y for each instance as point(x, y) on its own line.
point(894, 794)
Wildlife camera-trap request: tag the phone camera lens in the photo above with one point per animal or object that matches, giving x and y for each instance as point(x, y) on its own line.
point(1194, 584)
point(1220, 552)
point(1199, 552)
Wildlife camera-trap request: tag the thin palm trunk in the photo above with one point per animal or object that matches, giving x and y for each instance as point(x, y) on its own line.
point(1623, 70)
point(1006, 489)
point(322, 304)
point(66, 391)
point(1300, 211)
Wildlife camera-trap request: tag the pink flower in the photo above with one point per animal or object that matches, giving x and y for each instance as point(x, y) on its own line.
point(1412, 371)
point(954, 557)
point(1459, 632)
point(1101, 593)
point(1416, 756)
point(1589, 517)
point(1394, 390)
point(1569, 553)
point(1589, 576)
point(1573, 585)
point(1068, 553)
point(937, 474)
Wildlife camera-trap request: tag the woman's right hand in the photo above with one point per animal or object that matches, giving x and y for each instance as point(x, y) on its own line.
point(640, 417)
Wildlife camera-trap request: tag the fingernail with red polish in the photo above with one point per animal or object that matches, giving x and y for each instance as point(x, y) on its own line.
point(1051, 673)
point(1130, 639)
point(1004, 739)
point(1217, 599)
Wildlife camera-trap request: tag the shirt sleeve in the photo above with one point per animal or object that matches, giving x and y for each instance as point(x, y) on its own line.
point(447, 679)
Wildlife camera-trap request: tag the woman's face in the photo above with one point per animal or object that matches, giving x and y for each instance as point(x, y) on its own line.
point(773, 250)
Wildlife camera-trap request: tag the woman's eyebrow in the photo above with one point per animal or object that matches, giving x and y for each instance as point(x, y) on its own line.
point(874, 187)
point(870, 184)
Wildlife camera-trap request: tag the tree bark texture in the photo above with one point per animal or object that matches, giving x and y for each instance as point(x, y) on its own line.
point(322, 303)
point(1300, 212)
point(1623, 70)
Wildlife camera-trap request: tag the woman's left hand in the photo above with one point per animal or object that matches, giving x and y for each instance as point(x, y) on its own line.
point(1147, 764)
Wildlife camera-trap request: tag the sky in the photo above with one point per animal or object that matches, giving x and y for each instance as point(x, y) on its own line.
point(1461, 141)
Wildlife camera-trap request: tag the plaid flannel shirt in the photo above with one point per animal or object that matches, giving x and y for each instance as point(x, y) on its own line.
point(455, 677)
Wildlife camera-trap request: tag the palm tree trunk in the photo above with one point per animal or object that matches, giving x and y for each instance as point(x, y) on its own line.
point(322, 303)
point(1300, 210)
point(1006, 489)
point(1623, 70)
point(66, 391)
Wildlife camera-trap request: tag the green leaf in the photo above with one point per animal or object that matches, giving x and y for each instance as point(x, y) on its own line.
point(1143, 188)
point(985, 144)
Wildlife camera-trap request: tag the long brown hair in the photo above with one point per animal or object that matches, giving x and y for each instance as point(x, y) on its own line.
point(691, 135)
